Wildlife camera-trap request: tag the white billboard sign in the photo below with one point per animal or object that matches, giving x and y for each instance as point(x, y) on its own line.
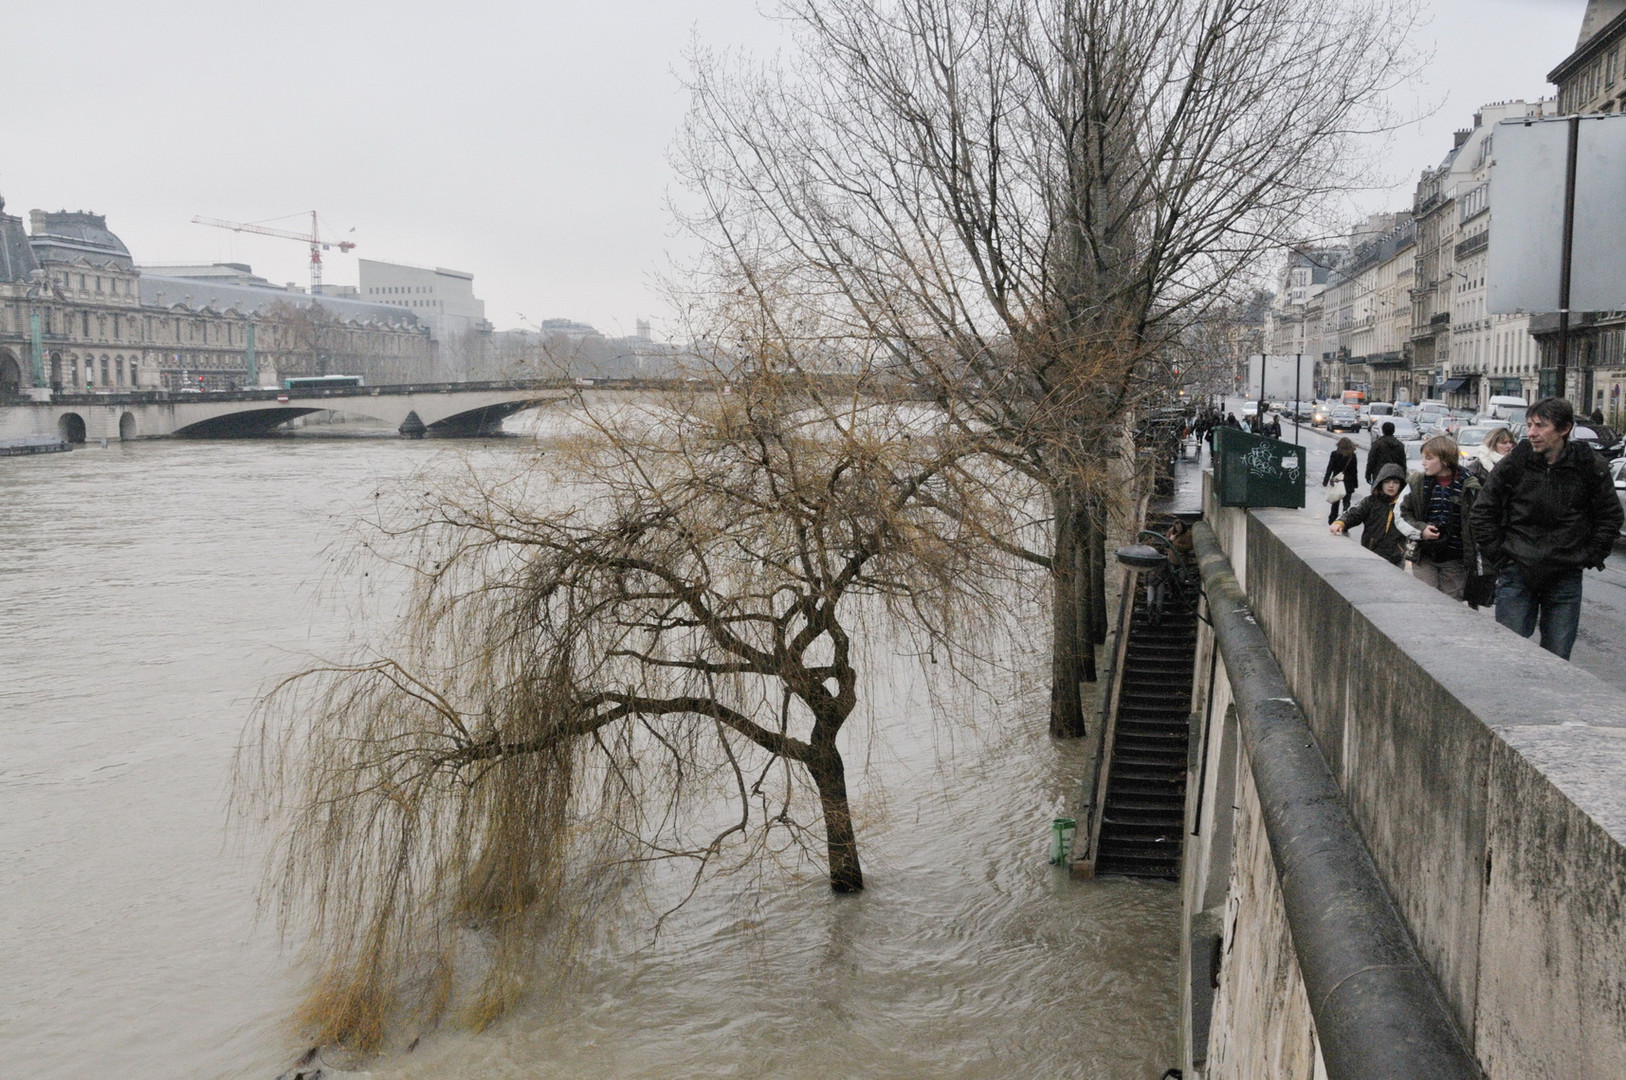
point(1524, 264)
point(1286, 376)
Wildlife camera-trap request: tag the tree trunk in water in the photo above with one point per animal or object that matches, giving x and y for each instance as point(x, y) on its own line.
point(1095, 542)
point(1067, 666)
point(1084, 587)
point(830, 776)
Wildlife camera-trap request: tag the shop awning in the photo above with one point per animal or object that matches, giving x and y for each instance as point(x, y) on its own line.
point(1452, 386)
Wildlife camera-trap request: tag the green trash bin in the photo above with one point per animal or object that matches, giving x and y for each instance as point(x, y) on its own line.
point(1256, 470)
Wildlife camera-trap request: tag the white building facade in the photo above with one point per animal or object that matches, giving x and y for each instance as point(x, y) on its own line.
point(442, 299)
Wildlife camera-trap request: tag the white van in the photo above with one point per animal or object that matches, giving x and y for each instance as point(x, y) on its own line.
point(1503, 407)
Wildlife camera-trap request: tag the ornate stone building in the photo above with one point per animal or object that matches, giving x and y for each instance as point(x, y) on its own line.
point(77, 314)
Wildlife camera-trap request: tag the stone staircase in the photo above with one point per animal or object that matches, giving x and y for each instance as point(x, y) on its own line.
point(1143, 809)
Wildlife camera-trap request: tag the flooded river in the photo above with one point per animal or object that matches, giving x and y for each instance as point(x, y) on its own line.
point(147, 590)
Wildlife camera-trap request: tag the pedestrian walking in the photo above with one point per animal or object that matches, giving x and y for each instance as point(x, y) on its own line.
point(1385, 450)
point(1547, 512)
point(1376, 515)
point(1339, 479)
point(1434, 514)
point(1480, 588)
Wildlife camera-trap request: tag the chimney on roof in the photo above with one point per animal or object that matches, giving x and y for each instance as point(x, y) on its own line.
point(1460, 137)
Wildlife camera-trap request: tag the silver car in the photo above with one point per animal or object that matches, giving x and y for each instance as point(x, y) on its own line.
point(1405, 430)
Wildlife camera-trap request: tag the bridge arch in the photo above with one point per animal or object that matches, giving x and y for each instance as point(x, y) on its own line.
point(11, 374)
point(71, 426)
point(127, 427)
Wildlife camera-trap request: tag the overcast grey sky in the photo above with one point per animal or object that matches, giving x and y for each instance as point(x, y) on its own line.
point(525, 143)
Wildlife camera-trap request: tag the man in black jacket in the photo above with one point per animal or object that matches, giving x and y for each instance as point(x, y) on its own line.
point(1547, 512)
point(1385, 450)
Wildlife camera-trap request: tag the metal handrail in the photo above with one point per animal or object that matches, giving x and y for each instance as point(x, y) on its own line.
point(1094, 808)
point(1378, 1009)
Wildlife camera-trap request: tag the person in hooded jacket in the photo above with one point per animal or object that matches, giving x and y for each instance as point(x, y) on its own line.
point(1376, 516)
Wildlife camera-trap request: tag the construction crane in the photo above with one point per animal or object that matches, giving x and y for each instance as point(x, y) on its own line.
point(314, 239)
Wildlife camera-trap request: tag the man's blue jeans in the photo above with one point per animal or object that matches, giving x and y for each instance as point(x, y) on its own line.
point(1557, 607)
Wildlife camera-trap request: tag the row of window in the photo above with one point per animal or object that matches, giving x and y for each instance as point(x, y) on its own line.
point(195, 331)
point(113, 286)
point(399, 290)
point(1599, 76)
point(112, 371)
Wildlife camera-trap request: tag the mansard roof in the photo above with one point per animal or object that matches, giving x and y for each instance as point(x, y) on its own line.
point(77, 237)
point(200, 294)
point(17, 262)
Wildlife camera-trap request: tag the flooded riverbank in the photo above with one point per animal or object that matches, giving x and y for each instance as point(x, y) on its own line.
point(150, 589)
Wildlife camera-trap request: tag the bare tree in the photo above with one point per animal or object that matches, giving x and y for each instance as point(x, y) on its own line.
point(309, 335)
point(670, 610)
point(1030, 201)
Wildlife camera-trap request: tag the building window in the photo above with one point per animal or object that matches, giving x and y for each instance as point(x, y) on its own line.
point(84, 318)
point(104, 372)
point(118, 367)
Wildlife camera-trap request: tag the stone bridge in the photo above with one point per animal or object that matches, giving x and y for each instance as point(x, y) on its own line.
point(437, 409)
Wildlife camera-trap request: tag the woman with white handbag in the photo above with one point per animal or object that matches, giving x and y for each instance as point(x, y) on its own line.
point(1341, 477)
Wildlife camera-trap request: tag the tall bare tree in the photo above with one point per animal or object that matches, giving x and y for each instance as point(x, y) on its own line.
point(1028, 201)
point(665, 615)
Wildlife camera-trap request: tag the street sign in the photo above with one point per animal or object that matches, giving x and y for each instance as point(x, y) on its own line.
point(1525, 263)
point(1280, 376)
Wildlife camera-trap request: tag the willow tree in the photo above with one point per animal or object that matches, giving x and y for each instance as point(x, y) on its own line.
point(1030, 202)
point(644, 645)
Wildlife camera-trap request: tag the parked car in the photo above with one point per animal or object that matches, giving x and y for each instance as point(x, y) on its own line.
point(1600, 438)
point(1610, 443)
point(1343, 418)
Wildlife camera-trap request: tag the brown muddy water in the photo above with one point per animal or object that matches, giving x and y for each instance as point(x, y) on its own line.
point(147, 591)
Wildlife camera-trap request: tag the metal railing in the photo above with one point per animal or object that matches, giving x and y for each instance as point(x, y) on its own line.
point(1378, 1010)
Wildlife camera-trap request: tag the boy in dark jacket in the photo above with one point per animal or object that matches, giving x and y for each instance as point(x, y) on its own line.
point(1376, 515)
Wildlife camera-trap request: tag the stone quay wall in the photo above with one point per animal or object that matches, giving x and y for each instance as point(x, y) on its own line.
point(1487, 778)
